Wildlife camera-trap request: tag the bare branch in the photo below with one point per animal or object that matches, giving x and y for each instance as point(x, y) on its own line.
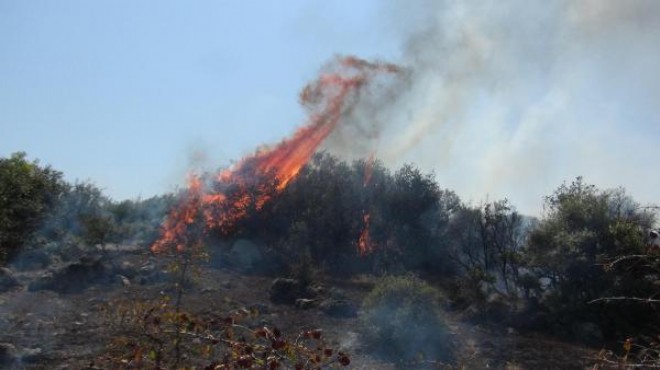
point(631, 299)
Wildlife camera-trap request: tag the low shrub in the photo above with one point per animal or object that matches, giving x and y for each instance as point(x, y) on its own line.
point(401, 321)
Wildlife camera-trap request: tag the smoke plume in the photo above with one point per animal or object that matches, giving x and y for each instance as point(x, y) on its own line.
point(510, 99)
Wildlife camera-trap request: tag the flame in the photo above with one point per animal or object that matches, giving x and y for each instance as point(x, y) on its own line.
point(175, 229)
point(327, 100)
point(365, 246)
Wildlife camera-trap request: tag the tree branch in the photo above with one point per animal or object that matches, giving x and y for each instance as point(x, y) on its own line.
point(632, 299)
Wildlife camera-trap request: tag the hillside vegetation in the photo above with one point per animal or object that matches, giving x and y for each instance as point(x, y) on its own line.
point(586, 272)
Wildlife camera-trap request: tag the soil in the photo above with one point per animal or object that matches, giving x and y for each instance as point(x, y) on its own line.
point(52, 330)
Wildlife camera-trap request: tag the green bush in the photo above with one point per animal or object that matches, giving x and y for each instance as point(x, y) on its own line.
point(28, 192)
point(401, 321)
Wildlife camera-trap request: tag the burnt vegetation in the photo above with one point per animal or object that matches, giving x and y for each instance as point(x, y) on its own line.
point(586, 272)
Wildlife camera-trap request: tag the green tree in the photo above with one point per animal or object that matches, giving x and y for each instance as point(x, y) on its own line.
point(28, 192)
point(583, 230)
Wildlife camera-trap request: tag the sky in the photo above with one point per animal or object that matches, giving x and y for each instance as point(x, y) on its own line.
point(124, 93)
point(501, 99)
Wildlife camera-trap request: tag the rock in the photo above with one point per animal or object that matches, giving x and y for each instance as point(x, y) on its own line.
point(7, 354)
point(259, 308)
point(284, 290)
point(74, 277)
point(127, 269)
point(315, 291)
point(341, 308)
point(148, 267)
point(149, 273)
point(588, 333)
point(32, 355)
point(337, 293)
point(33, 259)
point(244, 255)
point(7, 280)
point(305, 304)
point(123, 280)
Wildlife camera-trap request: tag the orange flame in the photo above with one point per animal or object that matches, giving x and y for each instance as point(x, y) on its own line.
point(327, 99)
point(365, 246)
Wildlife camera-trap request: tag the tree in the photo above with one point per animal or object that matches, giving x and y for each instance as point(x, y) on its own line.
point(486, 242)
point(584, 228)
point(28, 192)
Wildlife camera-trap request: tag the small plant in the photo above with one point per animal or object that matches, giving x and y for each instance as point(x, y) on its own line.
point(156, 335)
point(645, 355)
point(401, 322)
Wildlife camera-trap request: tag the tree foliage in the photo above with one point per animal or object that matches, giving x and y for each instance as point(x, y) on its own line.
point(28, 192)
point(584, 228)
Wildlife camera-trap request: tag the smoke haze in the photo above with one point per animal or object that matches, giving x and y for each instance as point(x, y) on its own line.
point(510, 99)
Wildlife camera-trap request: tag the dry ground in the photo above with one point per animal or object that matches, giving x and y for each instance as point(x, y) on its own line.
point(69, 331)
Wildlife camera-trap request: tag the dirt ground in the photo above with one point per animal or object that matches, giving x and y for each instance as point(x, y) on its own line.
point(53, 330)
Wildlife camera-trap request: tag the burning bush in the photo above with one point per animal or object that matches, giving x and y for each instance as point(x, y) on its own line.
point(401, 321)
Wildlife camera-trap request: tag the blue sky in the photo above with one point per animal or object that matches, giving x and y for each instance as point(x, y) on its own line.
point(504, 99)
point(122, 92)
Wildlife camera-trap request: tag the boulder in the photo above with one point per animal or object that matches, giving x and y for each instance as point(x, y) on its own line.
point(285, 290)
point(123, 280)
point(32, 260)
point(341, 308)
point(588, 333)
point(314, 291)
point(32, 355)
point(8, 355)
point(127, 269)
point(7, 280)
point(150, 273)
point(259, 308)
point(305, 304)
point(74, 277)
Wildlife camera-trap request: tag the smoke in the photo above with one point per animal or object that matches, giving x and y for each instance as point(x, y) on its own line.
point(510, 99)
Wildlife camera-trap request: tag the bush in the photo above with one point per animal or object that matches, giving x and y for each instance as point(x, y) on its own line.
point(28, 191)
point(401, 322)
point(572, 250)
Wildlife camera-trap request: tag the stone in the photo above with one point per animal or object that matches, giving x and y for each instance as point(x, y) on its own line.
point(305, 304)
point(259, 308)
point(33, 259)
point(123, 280)
point(588, 333)
point(32, 355)
point(315, 291)
point(127, 269)
point(284, 290)
point(340, 308)
point(7, 354)
point(7, 280)
point(75, 277)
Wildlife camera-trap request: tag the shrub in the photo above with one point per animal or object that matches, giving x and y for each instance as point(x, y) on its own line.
point(401, 321)
point(573, 250)
point(28, 191)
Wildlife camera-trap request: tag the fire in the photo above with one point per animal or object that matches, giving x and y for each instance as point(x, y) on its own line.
point(364, 243)
point(175, 231)
point(327, 100)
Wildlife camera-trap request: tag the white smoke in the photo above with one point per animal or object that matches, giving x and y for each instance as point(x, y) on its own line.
point(511, 98)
